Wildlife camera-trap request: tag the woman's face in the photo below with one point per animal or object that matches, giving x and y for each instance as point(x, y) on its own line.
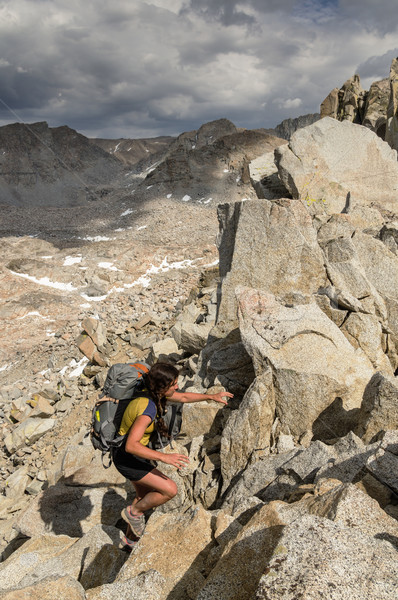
point(173, 387)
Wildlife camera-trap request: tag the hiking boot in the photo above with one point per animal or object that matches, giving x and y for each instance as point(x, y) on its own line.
point(136, 522)
point(126, 543)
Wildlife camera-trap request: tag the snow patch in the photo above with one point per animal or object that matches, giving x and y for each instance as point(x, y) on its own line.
point(94, 298)
point(186, 198)
point(107, 265)
point(67, 287)
point(77, 367)
point(165, 266)
point(97, 238)
point(127, 212)
point(169, 195)
point(142, 227)
point(213, 264)
point(72, 260)
point(35, 313)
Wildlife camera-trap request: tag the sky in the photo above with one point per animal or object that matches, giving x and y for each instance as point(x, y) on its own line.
point(134, 69)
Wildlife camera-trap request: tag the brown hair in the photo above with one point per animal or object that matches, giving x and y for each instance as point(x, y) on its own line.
point(159, 379)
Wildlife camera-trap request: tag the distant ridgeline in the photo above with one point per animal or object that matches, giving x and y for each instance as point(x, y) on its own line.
point(376, 109)
point(40, 165)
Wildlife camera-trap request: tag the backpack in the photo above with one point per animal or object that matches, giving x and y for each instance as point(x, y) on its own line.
point(122, 383)
point(172, 418)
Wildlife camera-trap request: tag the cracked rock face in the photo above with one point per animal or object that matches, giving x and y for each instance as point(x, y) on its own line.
point(327, 160)
point(307, 353)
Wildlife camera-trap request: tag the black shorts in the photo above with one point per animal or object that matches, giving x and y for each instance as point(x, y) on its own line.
point(130, 466)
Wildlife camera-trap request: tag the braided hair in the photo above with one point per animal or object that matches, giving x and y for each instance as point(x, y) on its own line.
point(158, 380)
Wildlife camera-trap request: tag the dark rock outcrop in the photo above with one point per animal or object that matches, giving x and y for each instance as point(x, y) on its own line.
point(45, 166)
point(286, 129)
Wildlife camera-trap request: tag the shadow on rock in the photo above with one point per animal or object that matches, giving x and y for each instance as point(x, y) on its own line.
point(335, 421)
point(227, 575)
point(72, 510)
point(63, 509)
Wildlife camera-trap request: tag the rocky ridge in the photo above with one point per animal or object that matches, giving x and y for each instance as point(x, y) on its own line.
point(376, 109)
point(294, 482)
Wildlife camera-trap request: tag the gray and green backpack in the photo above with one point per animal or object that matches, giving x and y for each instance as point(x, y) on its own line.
point(123, 383)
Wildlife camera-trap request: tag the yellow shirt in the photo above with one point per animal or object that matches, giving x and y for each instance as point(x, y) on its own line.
point(136, 408)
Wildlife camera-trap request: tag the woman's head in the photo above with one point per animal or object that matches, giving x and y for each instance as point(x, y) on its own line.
point(160, 378)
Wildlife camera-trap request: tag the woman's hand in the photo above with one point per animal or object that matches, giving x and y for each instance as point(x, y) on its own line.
point(219, 397)
point(177, 460)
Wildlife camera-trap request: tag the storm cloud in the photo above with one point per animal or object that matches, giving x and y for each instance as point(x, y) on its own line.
point(160, 67)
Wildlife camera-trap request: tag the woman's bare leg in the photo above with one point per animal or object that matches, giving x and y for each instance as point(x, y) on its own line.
point(153, 490)
point(140, 491)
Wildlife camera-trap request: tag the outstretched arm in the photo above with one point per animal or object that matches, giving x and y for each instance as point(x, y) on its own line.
point(190, 397)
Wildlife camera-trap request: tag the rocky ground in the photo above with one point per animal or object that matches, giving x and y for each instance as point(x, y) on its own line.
point(291, 490)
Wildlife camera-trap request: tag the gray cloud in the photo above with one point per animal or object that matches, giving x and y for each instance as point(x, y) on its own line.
point(145, 68)
point(375, 65)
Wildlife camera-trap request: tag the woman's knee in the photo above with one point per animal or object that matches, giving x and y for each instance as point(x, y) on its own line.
point(171, 489)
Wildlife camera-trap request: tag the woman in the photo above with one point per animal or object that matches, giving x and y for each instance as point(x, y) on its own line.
point(133, 458)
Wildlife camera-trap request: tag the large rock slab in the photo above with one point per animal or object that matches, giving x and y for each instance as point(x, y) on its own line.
point(146, 586)
point(248, 429)
point(200, 418)
point(244, 558)
point(365, 332)
point(72, 511)
point(264, 177)
point(30, 556)
point(384, 466)
point(257, 480)
point(49, 589)
point(379, 409)
point(92, 560)
point(267, 245)
point(380, 266)
point(289, 553)
point(348, 505)
point(350, 456)
point(324, 162)
point(307, 353)
point(317, 558)
point(191, 337)
point(347, 274)
point(173, 545)
point(224, 361)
